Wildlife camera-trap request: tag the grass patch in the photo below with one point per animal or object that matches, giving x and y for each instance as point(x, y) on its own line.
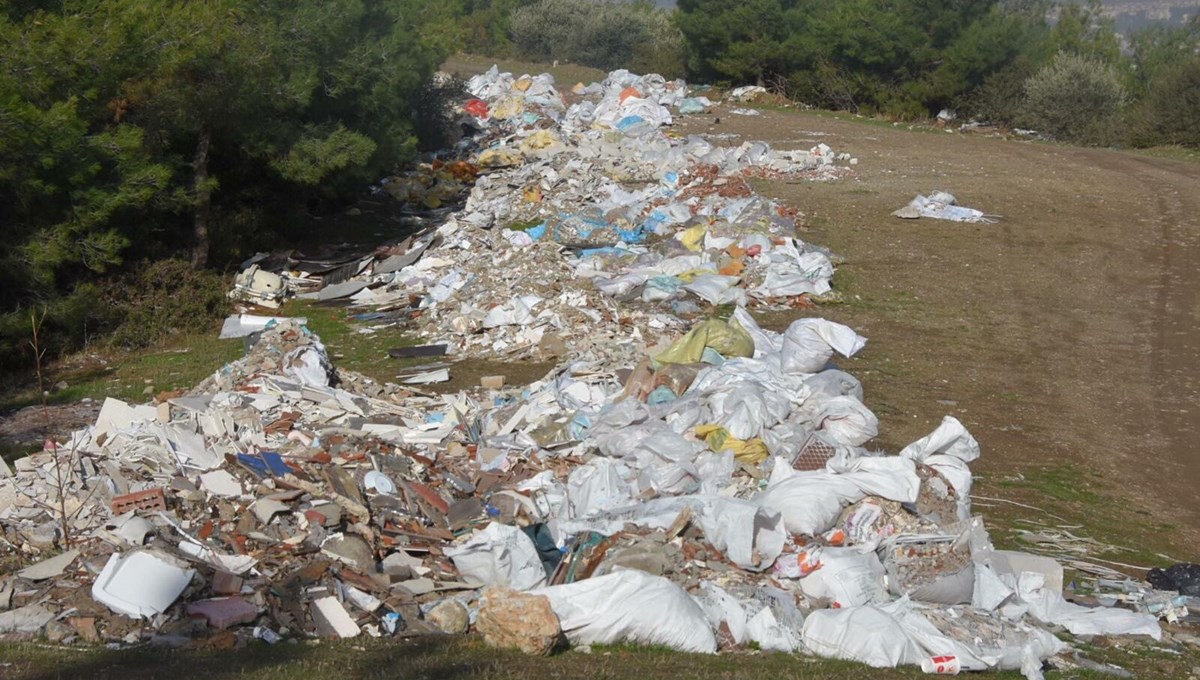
point(180, 362)
point(348, 347)
point(429, 657)
point(468, 658)
point(1072, 498)
point(1178, 153)
point(1066, 483)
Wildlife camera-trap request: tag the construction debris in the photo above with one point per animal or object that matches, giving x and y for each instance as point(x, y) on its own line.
point(683, 478)
point(941, 205)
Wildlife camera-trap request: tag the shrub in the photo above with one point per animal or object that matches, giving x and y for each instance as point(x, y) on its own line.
point(1075, 98)
point(433, 112)
point(664, 53)
point(600, 34)
point(71, 321)
point(1170, 113)
point(162, 298)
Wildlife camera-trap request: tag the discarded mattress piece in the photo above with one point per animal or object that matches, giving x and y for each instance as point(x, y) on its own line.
point(682, 477)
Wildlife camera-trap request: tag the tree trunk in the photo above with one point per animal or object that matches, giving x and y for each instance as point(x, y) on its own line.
point(203, 200)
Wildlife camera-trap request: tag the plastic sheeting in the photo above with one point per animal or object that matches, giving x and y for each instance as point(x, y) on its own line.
point(941, 205)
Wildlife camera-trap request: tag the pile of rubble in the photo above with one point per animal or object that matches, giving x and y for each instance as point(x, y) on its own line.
point(580, 209)
point(683, 478)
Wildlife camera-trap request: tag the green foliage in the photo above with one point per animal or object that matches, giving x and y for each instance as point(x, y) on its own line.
point(903, 58)
point(600, 34)
point(739, 41)
point(486, 26)
point(433, 112)
point(1170, 113)
point(1158, 52)
point(314, 157)
point(1084, 30)
point(121, 121)
point(163, 298)
point(1075, 98)
point(71, 320)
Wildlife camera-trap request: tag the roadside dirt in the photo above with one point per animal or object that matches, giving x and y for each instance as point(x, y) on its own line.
point(1064, 336)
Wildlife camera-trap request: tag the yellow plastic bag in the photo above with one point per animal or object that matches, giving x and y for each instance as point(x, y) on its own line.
point(542, 140)
point(744, 450)
point(692, 238)
point(499, 158)
point(727, 339)
point(509, 107)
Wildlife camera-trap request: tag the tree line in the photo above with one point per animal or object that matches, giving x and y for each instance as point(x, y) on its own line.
point(193, 131)
point(1059, 68)
point(134, 130)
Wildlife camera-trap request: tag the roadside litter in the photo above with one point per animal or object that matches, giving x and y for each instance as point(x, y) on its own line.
point(942, 206)
point(683, 477)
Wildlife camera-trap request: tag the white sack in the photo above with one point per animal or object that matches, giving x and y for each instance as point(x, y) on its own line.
point(810, 502)
point(847, 421)
point(719, 606)
point(597, 485)
point(809, 343)
point(848, 577)
point(764, 341)
point(747, 408)
point(834, 383)
point(500, 555)
point(740, 529)
point(630, 606)
point(866, 634)
point(948, 449)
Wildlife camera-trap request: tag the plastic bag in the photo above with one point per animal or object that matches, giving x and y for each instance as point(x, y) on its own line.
point(812, 501)
point(500, 555)
point(719, 439)
point(726, 338)
point(809, 343)
point(948, 449)
point(630, 606)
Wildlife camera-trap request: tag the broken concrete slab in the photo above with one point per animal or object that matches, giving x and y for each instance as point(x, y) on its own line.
point(49, 568)
point(28, 619)
point(332, 619)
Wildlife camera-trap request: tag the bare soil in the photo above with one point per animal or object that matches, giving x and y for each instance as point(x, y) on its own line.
point(1064, 336)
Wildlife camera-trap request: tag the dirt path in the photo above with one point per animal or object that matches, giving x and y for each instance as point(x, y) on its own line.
point(1065, 336)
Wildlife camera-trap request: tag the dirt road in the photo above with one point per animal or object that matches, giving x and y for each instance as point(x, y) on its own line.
point(1065, 336)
